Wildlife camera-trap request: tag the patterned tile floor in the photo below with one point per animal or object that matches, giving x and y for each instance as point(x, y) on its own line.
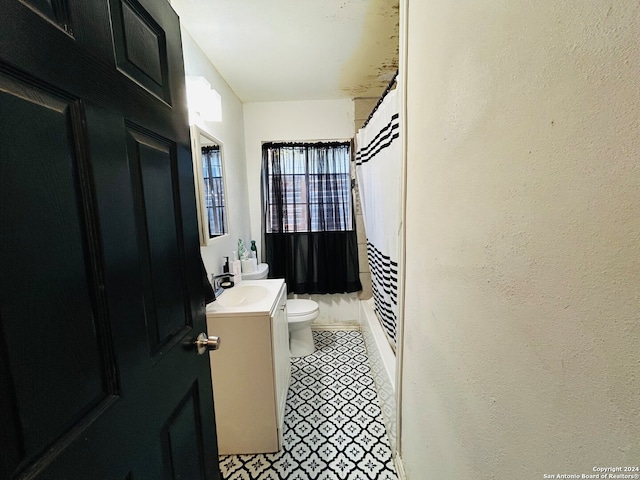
point(333, 424)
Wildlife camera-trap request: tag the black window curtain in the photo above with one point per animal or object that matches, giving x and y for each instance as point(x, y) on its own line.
point(308, 223)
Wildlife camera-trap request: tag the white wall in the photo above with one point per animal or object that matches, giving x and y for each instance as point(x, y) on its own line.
point(521, 346)
point(230, 131)
point(297, 121)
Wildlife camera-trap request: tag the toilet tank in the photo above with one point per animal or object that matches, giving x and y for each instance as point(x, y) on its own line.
point(261, 272)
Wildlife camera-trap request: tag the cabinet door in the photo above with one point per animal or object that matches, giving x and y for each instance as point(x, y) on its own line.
point(281, 358)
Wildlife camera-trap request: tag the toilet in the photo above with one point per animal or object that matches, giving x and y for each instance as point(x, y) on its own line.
point(300, 315)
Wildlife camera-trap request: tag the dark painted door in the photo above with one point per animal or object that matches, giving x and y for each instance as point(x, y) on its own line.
point(101, 293)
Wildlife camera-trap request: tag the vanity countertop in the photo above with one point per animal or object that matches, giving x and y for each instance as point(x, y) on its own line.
point(260, 307)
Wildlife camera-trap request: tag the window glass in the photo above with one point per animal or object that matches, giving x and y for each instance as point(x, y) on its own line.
point(308, 187)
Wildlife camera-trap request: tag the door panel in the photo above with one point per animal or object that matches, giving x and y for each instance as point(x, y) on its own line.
point(57, 12)
point(46, 259)
point(100, 291)
point(180, 444)
point(140, 47)
point(152, 162)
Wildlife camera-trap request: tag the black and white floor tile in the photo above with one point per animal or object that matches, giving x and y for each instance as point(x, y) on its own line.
point(333, 423)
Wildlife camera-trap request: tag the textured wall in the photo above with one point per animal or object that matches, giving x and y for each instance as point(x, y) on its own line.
point(521, 346)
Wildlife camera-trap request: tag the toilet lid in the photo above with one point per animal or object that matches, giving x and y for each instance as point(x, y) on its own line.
point(300, 307)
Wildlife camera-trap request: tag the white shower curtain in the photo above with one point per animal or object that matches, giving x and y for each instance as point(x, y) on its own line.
point(378, 169)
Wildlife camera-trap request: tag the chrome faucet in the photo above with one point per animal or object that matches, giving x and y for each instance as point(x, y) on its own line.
point(216, 282)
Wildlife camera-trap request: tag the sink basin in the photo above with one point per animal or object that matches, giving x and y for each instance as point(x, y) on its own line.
point(242, 295)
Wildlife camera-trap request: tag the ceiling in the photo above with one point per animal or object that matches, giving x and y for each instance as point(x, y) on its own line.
point(287, 50)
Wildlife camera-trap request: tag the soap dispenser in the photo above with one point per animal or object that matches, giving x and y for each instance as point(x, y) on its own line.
point(226, 281)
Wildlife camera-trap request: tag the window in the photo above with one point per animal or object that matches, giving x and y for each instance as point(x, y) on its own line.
point(309, 237)
point(307, 187)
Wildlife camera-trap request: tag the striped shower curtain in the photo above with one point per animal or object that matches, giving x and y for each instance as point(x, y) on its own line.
point(378, 169)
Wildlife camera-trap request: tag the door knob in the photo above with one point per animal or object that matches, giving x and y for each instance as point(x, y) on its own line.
point(204, 343)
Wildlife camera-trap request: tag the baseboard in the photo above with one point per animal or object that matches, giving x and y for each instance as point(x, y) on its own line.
point(397, 459)
point(333, 327)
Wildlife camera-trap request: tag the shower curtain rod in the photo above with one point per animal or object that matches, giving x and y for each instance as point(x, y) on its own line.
point(384, 94)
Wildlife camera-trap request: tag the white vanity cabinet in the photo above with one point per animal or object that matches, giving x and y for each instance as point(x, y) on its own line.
point(251, 370)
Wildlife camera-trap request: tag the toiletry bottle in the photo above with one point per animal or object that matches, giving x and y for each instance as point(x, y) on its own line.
point(242, 251)
point(254, 250)
point(226, 281)
point(225, 268)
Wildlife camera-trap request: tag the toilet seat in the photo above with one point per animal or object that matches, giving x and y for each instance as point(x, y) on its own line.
point(300, 310)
